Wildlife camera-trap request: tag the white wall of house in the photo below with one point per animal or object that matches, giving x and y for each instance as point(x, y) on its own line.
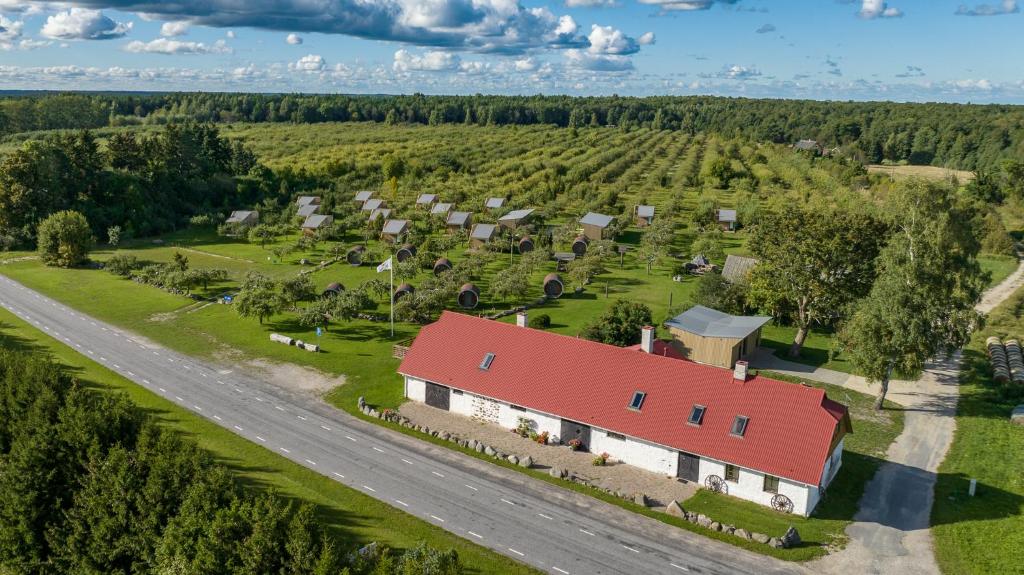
point(651, 457)
point(634, 452)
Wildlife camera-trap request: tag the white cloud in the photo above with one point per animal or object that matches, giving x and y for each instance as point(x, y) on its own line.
point(10, 30)
point(526, 65)
point(608, 40)
point(871, 9)
point(309, 63)
point(82, 24)
point(765, 29)
point(432, 61)
point(646, 39)
point(737, 72)
point(168, 46)
point(177, 28)
point(686, 5)
point(981, 85)
point(230, 34)
point(587, 60)
point(293, 39)
point(1004, 7)
point(590, 3)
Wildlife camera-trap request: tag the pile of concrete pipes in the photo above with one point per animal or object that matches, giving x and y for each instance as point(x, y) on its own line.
point(1006, 359)
point(296, 342)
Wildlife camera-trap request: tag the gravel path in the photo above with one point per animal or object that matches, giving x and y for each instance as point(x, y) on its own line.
point(618, 477)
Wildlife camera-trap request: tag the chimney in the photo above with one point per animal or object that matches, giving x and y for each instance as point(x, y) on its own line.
point(521, 319)
point(739, 373)
point(647, 339)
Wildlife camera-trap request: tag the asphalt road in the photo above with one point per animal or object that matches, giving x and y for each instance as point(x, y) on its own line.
point(541, 525)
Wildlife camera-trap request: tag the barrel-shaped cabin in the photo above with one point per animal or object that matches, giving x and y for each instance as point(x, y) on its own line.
point(553, 286)
point(442, 265)
point(469, 296)
point(579, 246)
point(402, 291)
point(332, 290)
point(526, 245)
point(355, 255)
point(406, 252)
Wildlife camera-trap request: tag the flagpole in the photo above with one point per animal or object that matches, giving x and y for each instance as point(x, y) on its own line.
point(391, 271)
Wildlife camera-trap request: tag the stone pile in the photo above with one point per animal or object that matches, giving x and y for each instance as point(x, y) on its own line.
point(790, 539)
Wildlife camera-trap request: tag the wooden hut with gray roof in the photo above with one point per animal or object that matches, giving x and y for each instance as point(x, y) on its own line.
point(459, 221)
point(362, 196)
point(515, 218)
point(482, 234)
point(393, 229)
point(644, 216)
point(315, 222)
point(595, 225)
point(709, 336)
point(243, 218)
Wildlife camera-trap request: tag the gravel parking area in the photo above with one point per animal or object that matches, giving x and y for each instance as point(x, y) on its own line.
point(659, 489)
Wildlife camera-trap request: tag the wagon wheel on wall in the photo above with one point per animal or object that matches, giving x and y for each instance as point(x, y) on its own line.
point(716, 484)
point(782, 503)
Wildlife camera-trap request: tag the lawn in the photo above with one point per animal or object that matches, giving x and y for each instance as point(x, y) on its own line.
point(985, 533)
point(355, 518)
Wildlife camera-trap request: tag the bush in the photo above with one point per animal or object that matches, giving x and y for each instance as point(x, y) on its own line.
point(620, 325)
point(122, 265)
point(542, 321)
point(542, 438)
point(65, 239)
point(601, 460)
point(574, 444)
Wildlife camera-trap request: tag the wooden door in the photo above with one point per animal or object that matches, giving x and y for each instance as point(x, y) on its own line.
point(438, 396)
point(689, 467)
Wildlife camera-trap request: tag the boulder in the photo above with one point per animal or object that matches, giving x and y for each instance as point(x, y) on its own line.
point(675, 510)
point(775, 542)
point(513, 460)
point(426, 430)
point(557, 472)
point(445, 435)
point(526, 462)
point(728, 529)
point(791, 538)
point(716, 526)
point(704, 521)
point(742, 534)
point(472, 443)
point(373, 413)
point(488, 450)
point(760, 537)
point(640, 499)
point(479, 447)
point(361, 402)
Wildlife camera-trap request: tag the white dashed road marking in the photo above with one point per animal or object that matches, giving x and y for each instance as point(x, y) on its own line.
point(471, 487)
point(630, 548)
point(368, 488)
point(261, 439)
point(519, 553)
point(560, 570)
point(477, 535)
point(587, 532)
point(407, 461)
point(378, 449)
point(437, 518)
point(402, 503)
point(437, 474)
point(546, 517)
point(680, 567)
point(310, 462)
point(284, 450)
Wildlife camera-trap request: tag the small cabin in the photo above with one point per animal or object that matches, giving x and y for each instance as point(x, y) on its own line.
point(244, 218)
point(737, 269)
point(402, 291)
point(727, 220)
point(526, 245)
point(355, 255)
point(469, 296)
point(307, 200)
point(361, 197)
point(579, 246)
point(459, 221)
point(440, 209)
point(515, 218)
point(482, 234)
point(393, 229)
point(644, 216)
point(494, 204)
point(426, 200)
point(406, 252)
point(307, 210)
point(379, 213)
point(442, 265)
point(553, 286)
point(332, 290)
point(595, 225)
point(315, 222)
point(709, 336)
point(373, 204)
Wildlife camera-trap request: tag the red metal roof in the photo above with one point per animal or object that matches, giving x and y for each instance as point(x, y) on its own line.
point(791, 426)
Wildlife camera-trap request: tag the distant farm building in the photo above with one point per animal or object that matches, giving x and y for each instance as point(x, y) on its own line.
point(426, 200)
point(244, 218)
point(307, 200)
point(380, 213)
point(515, 218)
point(737, 269)
point(482, 234)
point(727, 220)
point(373, 204)
point(316, 222)
point(393, 229)
point(595, 225)
point(459, 221)
point(362, 196)
point(307, 210)
point(709, 336)
point(808, 146)
point(440, 209)
point(644, 216)
point(494, 203)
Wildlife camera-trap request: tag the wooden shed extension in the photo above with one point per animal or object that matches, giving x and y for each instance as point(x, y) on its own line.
point(515, 218)
point(709, 336)
point(459, 221)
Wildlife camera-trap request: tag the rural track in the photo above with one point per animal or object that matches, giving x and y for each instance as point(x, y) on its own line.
point(541, 525)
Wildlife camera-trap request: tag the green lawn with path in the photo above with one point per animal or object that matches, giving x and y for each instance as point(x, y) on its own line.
point(353, 517)
point(985, 533)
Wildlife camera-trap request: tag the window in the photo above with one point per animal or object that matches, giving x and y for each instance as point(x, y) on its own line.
point(517, 408)
point(486, 363)
point(613, 435)
point(771, 484)
point(732, 473)
point(739, 425)
point(697, 414)
point(457, 392)
point(638, 400)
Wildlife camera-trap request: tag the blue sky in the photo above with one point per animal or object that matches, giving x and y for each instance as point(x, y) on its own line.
point(914, 50)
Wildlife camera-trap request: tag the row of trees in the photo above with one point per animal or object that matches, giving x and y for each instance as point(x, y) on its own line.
point(966, 137)
point(91, 484)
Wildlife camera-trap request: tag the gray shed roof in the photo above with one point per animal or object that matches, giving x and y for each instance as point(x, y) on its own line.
point(708, 322)
point(737, 268)
point(316, 220)
point(363, 196)
point(379, 213)
point(515, 215)
point(426, 199)
point(440, 208)
point(645, 211)
point(239, 216)
point(727, 215)
point(395, 227)
point(372, 204)
point(495, 202)
point(806, 145)
point(306, 200)
point(483, 231)
point(596, 219)
point(307, 210)
point(458, 218)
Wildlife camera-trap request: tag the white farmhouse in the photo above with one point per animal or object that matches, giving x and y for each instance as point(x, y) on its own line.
point(767, 441)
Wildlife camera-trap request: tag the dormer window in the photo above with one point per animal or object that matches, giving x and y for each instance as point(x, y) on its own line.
point(638, 400)
point(486, 363)
point(696, 414)
point(739, 425)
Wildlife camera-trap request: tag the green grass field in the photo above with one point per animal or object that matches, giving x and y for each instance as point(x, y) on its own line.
point(983, 534)
point(354, 518)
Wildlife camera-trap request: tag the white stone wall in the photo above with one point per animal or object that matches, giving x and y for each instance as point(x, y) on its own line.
point(637, 453)
point(750, 486)
point(415, 389)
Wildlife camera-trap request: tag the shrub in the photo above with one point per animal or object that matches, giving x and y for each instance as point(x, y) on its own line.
point(122, 265)
point(542, 321)
point(542, 438)
point(601, 460)
point(574, 444)
point(65, 239)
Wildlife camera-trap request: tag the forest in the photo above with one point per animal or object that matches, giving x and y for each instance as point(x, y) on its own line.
point(967, 137)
